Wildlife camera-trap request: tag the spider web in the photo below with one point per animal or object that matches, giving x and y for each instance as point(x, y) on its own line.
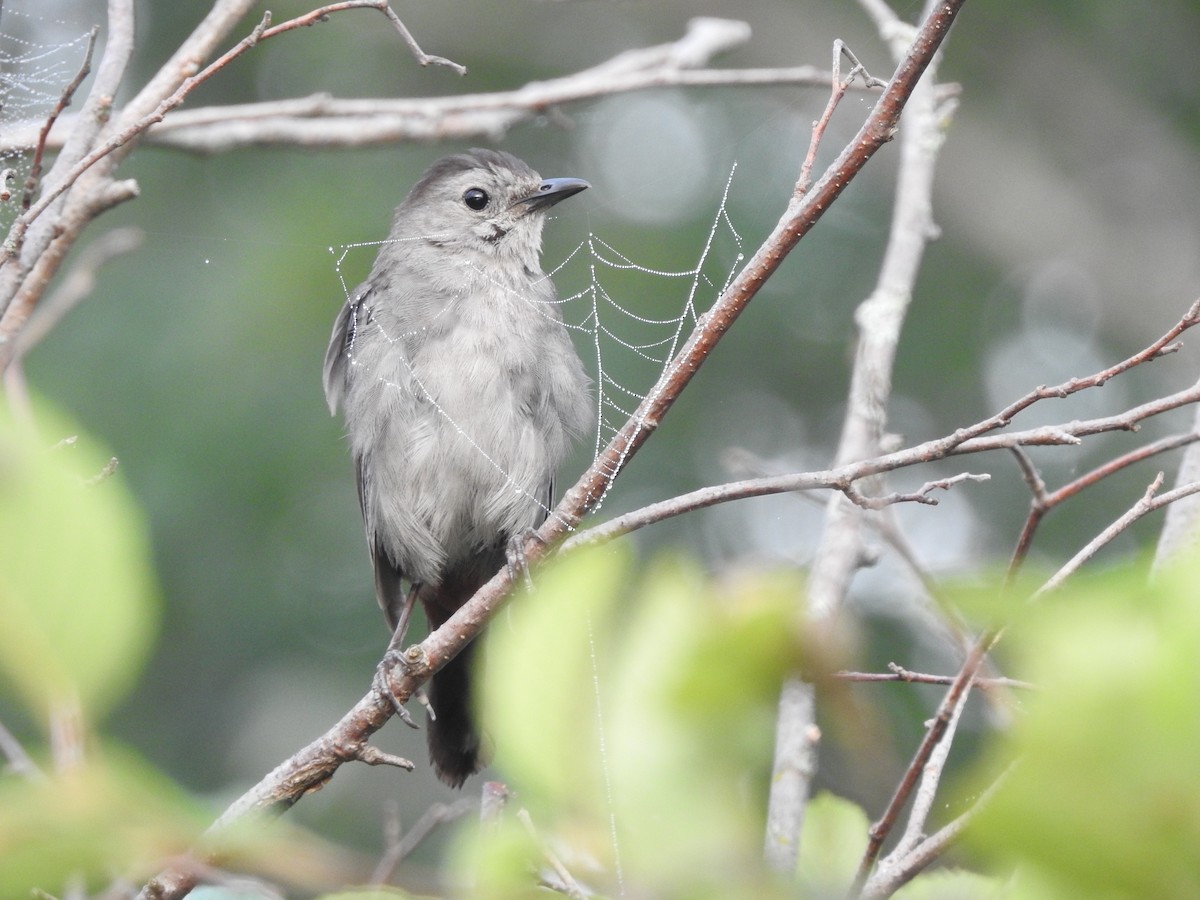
point(39, 56)
point(628, 353)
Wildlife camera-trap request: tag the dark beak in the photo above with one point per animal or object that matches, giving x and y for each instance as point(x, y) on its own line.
point(551, 191)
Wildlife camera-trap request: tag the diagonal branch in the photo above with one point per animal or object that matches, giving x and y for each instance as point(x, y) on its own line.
point(938, 726)
point(1043, 501)
point(1150, 501)
point(842, 478)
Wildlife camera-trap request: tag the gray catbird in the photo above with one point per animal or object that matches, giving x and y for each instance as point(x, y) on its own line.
point(461, 393)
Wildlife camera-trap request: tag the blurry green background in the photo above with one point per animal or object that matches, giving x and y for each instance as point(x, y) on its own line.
point(1069, 202)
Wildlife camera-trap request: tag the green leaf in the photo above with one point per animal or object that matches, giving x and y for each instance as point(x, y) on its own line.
point(831, 844)
point(111, 814)
point(629, 714)
point(539, 693)
point(114, 815)
point(1103, 800)
point(77, 598)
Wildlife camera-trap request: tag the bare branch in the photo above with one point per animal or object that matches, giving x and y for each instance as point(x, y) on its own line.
point(76, 216)
point(398, 849)
point(324, 121)
point(124, 137)
point(898, 870)
point(19, 762)
point(133, 129)
point(78, 284)
point(901, 674)
point(566, 883)
point(117, 51)
point(963, 441)
point(840, 86)
point(322, 14)
point(373, 756)
point(931, 776)
point(970, 668)
point(920, 495)
point(305, 771)
point(1044, 501)
point(894, 874)
point(1182, 522)
point(1161, 347)
point(64, 100)
point(1146, 505)
point(880, 830)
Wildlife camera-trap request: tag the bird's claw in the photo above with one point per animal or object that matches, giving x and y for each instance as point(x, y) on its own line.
point(514, 556)
point(383, 685)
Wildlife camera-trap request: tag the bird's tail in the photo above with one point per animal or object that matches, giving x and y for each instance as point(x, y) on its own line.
point(456, 745)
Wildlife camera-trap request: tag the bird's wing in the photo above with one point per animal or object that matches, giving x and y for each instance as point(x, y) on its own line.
point(547, 500)
point(388, 589)
point(341, 346)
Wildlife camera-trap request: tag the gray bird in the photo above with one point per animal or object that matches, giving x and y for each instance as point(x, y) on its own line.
point(461, 392)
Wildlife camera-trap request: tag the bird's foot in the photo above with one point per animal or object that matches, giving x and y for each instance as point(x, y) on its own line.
point(514, 555)
point(390, 669)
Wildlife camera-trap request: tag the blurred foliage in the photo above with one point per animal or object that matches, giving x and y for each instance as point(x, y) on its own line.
point(649, 701)
point(631, 717)
point(1103, 790)
point(79, 607)
point(109, 815)
point(77, 597)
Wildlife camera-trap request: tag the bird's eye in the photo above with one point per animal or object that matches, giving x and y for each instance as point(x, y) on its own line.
point(476, 199)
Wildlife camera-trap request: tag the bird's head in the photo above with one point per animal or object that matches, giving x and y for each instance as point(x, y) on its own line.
point(482, 202)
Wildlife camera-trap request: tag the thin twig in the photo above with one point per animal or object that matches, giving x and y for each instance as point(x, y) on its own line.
point(400, 847)
point(892, 874)
point(64, 100)
point(920, 495)
point(373, 756)
point(839, 87)
point(900, 674)
point(841, 477)
point(931, 776)
point(19, 761)
point(1043, 501)
point(79, 282)
point(566, 881)
point(77, 215)
point(1146, 505)
point(879, 831)
point(321, 15)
